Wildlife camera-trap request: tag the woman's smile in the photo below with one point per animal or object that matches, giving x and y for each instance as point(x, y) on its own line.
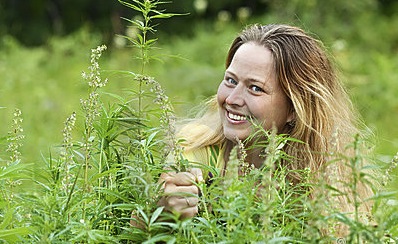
point(236, 117)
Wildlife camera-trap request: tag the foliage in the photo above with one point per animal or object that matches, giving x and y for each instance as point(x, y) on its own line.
point(101, 183)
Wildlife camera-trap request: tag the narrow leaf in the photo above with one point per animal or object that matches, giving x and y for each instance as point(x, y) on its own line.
point(155, 215)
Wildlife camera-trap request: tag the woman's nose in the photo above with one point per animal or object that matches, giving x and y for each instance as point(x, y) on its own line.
point(236, 96)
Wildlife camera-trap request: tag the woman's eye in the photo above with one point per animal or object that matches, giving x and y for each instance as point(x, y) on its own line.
point(231, 81)
point(256, 89)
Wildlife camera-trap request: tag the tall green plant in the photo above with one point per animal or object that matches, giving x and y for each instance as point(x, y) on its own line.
point(100, 185)
point(152, 142)
point(149, 10)
point(12, 172)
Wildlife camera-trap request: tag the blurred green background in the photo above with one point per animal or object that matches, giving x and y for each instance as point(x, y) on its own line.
point(45, 45)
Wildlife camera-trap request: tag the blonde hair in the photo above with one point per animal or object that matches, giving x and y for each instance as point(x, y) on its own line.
point(318, 99)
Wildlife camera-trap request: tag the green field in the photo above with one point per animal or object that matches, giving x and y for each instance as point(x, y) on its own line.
point(45, 82)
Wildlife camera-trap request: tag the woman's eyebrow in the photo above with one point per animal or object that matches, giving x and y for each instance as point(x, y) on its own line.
point(257, 80)
point(261, 83)
point(229, 72)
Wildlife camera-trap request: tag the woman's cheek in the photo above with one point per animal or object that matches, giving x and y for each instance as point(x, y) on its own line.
point(221, 94)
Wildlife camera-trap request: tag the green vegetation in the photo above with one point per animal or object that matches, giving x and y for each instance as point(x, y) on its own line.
point(80, 154)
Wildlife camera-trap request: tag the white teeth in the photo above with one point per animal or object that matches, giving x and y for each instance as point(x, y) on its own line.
point(236, 117)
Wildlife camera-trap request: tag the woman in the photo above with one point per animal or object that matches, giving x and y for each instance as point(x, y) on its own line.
point(280, 76)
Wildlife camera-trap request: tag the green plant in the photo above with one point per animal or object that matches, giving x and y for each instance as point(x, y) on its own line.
point(90, 190)
point(101, 183)
point(12, 227)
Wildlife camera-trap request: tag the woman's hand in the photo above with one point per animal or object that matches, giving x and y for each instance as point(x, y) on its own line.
point(181, 192)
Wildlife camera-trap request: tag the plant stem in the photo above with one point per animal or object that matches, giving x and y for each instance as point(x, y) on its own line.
point(355, 163)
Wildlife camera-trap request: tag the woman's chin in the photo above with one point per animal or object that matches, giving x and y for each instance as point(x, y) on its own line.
point(234, 136)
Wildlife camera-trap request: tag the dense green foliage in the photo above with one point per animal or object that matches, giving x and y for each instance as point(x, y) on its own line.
point(45, 79)
point(85, 153)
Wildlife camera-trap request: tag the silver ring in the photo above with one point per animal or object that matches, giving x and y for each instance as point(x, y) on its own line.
point(188, 203)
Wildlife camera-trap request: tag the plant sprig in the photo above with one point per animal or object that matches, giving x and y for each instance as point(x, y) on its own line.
point(149, 11)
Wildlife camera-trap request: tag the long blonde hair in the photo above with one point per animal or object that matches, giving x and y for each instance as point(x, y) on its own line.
point(318, 99)
point(320, 103)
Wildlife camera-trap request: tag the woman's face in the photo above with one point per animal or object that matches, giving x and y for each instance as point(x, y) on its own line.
point(250, 90)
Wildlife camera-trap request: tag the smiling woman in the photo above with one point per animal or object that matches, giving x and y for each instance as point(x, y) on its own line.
point(282, 78)
point(250, 90)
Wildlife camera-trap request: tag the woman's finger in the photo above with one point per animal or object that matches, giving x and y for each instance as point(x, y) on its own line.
point(198, 174)
point(181, 179)
point(189, 212)
point(172, 189)
point(178, 204)
point(191, 201)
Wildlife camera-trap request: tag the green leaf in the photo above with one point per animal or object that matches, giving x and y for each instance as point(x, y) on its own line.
point(139, 23)
point(144, 216)
point(14, 235)
point(111, 195)
point(128, 20)
point(7, 218)
point(162, 16)
point(132, 6)
point(12, 170)
point(140, 38)
point(155, 215)
point(383, 195)
point(161, 237)
point(151, 41)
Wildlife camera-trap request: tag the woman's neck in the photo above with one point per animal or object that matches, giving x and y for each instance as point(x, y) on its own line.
point(254, 157)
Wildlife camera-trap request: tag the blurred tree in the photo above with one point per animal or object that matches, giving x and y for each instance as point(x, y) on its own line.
point(321, 12)
point(389, 7)
point(33, 21)
point(25, 19)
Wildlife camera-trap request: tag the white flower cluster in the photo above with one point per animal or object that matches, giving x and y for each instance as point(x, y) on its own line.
point(389, 171)
point(167, 118)
point(94, 77)
point(15, 136)
point(67, 131)
point(66, 153)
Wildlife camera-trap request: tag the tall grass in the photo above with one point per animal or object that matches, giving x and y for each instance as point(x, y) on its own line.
point(100, 185)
